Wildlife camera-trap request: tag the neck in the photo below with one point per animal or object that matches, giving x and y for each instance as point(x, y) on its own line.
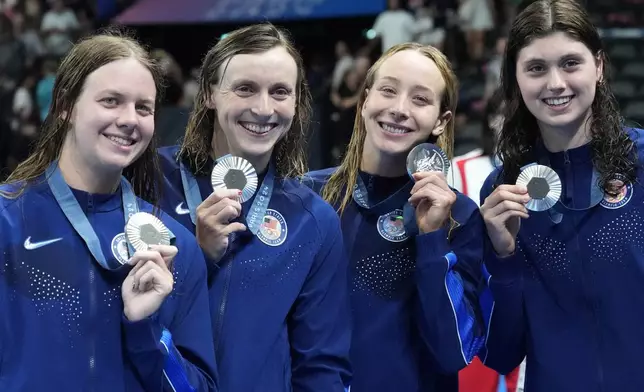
point(79, 175)
point(220, 148)
point(375, 162)
point(557, 139)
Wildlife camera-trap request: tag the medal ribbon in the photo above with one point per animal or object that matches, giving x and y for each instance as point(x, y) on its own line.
point(255, 213)
point(75, 215)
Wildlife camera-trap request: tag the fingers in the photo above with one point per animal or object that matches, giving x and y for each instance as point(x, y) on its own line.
point(233, 227)
point(149, 275)
point(437, 196)
point(222, 212)
point(433, 177)
point(219, 195)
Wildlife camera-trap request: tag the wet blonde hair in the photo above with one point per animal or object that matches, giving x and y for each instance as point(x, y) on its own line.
point(339, 188)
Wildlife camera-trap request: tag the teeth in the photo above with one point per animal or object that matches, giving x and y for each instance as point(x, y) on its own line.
point(120, 140)
point(557, 101)
point(392, 129)
point(257, 128)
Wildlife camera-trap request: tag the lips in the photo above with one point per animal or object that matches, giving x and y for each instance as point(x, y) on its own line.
point(394, 128)
point(121, 141)
point(558, 101)
point(257, 128)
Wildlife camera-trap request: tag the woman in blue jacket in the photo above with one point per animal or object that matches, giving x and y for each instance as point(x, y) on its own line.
point(414, 243)
point(566, 259)
point(278, 289)
point(79, 308)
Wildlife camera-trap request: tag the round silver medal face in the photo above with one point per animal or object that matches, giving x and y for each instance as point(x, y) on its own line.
point(144, 229)
point(235, 173)
point(544, 186)
point(427, 157)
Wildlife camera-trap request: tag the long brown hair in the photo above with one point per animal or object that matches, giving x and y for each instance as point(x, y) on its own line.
point(84, 58)
point(340, 186)
point(613, 152)
point(290, 151)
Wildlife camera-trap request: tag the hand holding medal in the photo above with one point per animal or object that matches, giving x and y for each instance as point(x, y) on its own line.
point(234, 181)
point(150, 281)
point(432, 198)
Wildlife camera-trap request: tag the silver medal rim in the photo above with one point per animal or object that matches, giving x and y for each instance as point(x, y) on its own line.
point(221, 169)
point(431, 147)
point(133, 230)
point(552, 178)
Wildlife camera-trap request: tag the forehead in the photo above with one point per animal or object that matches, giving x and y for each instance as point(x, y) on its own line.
point(273, 66)
point(126, 76)
point(412, 68)
point(553, 47)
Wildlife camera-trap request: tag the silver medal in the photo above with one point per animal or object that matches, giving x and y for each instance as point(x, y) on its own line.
point(143, 230)
point(235, 173)
point(544, 186)
point(427, 157)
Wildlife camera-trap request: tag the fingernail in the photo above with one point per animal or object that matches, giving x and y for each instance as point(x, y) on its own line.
point(239, 193)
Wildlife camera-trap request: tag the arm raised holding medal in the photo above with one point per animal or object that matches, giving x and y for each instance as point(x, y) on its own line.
point(433, 200)
point(214, 224)
point(149, 282)
point(502, 212)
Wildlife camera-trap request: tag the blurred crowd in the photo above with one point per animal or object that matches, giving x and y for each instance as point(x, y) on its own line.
point(34, 34)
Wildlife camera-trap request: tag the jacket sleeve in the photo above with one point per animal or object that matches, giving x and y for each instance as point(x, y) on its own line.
point(503, 305)
point(448, 280)
point(173, 350)
point(319, 324)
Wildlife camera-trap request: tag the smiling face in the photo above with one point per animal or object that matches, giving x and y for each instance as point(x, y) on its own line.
point(558, 77)
point(403, 106)
point(255, 102)
point(112, 122)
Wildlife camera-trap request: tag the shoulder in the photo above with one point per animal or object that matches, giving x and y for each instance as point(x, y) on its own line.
point(318, 210)
point(637, 135)
point(316, 180)
point(168, 158)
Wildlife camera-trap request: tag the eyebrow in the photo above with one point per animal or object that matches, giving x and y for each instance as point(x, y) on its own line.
point(540, 60)
point(236, 82)
point(417, 86)
point(147, 101)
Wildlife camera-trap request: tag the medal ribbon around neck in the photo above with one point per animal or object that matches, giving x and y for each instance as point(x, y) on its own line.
point(76, 216)
point(255, 213)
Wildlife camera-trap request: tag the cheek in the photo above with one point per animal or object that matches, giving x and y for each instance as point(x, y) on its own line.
point(147, 127)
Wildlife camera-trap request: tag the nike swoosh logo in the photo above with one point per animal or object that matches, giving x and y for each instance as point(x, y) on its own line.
point(35, 245)
point(180, 210)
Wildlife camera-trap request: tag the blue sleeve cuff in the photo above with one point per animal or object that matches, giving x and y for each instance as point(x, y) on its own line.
point(432, 247)
point(505, 269)
point(142, 336)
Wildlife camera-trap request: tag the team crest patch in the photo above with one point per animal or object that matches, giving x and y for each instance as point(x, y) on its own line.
point(273, 230)
point(391, 226)
point(119, 248)
point(621, 196)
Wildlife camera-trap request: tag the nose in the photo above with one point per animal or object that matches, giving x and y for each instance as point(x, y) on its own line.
point(263, 106)
point(556, 82)
point(127, 117)
point(400, 110)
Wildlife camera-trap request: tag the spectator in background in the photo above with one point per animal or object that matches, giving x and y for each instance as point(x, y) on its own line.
point(45, 87)
point(426, 32)
point(344, 62)
point(26, 30)
point(394, 26)
point(24, 123)
point(493, 68)
point(475, 17)
point(59, 26)
point(12, 65)
point(344, 100)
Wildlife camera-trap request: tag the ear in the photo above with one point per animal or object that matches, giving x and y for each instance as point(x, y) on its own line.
point(364, 104)
point(600, 68)
point(442, 123)
point(210, 100)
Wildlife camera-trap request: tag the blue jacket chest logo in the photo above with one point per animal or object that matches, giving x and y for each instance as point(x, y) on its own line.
point(273, 229)
point(391, 226)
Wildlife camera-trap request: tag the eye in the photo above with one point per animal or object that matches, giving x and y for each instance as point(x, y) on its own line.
point(144, 109)
point(282, 92)
point(571, 63)
point(421, 100)
point(110, 101)
point(244, 90)
point(536, 69)
point(387, 91)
